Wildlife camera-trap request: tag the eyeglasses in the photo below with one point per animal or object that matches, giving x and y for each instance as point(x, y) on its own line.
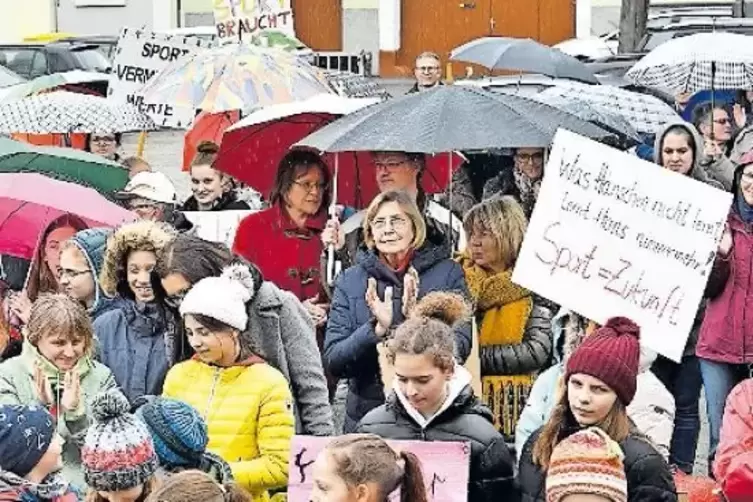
point(427, 69)
point(175, 300)
point(395, 223)
point(310, 187)
point(72, 274)
point(394, 164)
point(529, 157)
point(722, 121)
point(143, 206)
point(103, 139)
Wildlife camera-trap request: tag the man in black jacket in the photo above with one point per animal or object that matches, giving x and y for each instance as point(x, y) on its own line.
point(428, 72)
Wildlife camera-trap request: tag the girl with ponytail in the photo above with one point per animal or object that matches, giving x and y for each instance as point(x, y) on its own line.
point(433, 400)
point(196, 486)
point(364, 468)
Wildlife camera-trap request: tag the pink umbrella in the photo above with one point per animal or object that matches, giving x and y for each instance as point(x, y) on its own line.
point(29, 202)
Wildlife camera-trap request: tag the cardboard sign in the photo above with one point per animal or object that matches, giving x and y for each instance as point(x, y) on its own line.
point(216, 226)
point(446, 467)
point(613, 235)
point(240, 20)
point(139, 56)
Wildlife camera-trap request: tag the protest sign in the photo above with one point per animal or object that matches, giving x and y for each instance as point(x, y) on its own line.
point(216, 226)
point(446, 467)
point(613, 235)
point(139, 56)
point(241, 20)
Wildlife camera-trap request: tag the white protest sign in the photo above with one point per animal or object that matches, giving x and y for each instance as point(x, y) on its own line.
point(613, 235)
point(216, 226)
point(139, 56)
point(240, 20)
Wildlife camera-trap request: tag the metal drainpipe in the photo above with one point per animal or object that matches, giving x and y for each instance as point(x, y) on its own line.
point(55, 4)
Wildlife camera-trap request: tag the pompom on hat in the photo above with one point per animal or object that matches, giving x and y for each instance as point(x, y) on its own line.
point(587, 463)
point(222, 298)
point(611, 354)
point(118, 453)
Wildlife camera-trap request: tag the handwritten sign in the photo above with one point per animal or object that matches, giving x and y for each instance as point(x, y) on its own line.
point(140, 55)
point(216, 226)
point(613, 235)
point(445, 465)
point(240, 20)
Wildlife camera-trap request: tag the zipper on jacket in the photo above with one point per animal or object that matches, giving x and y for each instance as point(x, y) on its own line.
point(211, 393)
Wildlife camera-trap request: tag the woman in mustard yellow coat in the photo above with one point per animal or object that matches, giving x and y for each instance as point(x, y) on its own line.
point(245, 402)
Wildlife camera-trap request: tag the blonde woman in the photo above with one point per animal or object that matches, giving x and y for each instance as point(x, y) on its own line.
point(55, 369)
point(514, 327)
point(399, 266)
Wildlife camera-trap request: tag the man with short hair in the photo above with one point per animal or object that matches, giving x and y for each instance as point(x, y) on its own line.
point(151, 195)
point(428, 72)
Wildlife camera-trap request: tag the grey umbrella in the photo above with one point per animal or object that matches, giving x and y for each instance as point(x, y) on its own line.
point(449, 118)
point(522, 54)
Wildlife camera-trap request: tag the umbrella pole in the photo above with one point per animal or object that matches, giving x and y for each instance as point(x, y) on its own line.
point(141, 144)
point(331, 265)
point(452, 232)
point(713, 99)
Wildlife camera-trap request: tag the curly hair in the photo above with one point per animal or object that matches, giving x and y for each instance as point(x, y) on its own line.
point(139, 236)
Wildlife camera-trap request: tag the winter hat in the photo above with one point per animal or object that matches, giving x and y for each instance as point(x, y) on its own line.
point(92, 242)
point(25, 435)
point(178, 431)
point(587, 462)
point(611, 354)
point(222, 298)
point(118, 452)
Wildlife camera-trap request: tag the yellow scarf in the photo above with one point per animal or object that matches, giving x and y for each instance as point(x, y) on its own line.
point(504, 308)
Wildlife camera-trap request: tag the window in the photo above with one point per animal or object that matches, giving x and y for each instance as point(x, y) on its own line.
point(39, 64)
point(18, 59)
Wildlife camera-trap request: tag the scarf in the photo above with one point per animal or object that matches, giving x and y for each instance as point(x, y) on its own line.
point(504, 308)
point(744, 209)
point(54, 487)
point(529, 190)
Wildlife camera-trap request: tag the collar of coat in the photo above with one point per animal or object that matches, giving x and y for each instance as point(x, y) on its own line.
point(314, 224)
point(424, 258)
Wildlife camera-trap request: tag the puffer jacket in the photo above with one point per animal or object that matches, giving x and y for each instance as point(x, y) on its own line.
point(735, 450)
point(350, 345)
point(248, 409)
point(461, 418)
point(652, 409)
point(649, 477)
point(92, 244)
point(17, 387)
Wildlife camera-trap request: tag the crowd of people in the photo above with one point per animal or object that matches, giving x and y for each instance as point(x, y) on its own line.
point(143, 363)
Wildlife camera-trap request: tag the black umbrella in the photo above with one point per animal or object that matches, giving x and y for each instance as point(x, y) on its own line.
point(522, 54)
point(449, 118)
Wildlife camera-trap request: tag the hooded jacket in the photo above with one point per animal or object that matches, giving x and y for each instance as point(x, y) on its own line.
point(248, 410)
point(350, 345)
point(17, 387)
point(652, 409)
point(701, 171)
point(135, 340)
point(92, 244)
point(462, 417)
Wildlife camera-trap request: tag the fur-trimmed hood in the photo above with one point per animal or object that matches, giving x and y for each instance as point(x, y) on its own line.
point(138, 236)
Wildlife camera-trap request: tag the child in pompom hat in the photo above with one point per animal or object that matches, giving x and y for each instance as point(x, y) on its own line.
point(587, 463)
point(118, 453)
point(599, 383)
point(31, 456)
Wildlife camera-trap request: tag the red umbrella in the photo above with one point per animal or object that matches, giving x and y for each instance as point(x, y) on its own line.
point(206, 127)
point(29, 202)
point(251, 153)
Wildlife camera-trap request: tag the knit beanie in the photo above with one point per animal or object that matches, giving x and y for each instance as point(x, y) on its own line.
point(178, 431)
point(222, 298)
point(587, 463)
point(611, 354)
point(25, 436)
point(118, 453)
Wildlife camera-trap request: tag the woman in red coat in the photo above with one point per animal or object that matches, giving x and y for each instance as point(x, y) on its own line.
point(284, 240)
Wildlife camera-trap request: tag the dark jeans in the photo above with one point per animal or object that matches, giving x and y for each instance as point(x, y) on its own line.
point(718, 380)
point(684, 382)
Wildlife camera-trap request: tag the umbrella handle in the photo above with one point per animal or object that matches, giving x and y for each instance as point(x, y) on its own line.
point(333, 266)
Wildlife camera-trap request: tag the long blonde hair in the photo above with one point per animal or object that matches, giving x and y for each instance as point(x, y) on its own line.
point(505, 219)
point(616, 424)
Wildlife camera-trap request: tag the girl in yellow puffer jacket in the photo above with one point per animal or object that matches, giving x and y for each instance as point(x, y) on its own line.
point(245, 402)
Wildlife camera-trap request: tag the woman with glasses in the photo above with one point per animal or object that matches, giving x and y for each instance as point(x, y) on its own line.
point(284, 240)
point(523, 182)
point(212, 190)
point(278, 324)
point(105, 145)
point(374, 296)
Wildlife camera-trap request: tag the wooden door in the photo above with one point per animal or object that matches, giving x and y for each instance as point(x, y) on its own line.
point(516, 18)
point(556, 21)
point(318, 23)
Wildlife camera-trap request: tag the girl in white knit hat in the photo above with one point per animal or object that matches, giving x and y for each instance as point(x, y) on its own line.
point(245, 402)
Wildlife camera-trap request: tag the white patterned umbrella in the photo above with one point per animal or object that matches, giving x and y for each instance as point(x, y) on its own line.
point(715, 60)
point(67, 112)
point(644, 112)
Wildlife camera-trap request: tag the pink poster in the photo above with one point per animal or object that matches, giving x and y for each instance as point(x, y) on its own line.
point(446, 467)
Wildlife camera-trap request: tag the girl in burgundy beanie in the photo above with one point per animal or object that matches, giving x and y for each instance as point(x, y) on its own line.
point(598, 384)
